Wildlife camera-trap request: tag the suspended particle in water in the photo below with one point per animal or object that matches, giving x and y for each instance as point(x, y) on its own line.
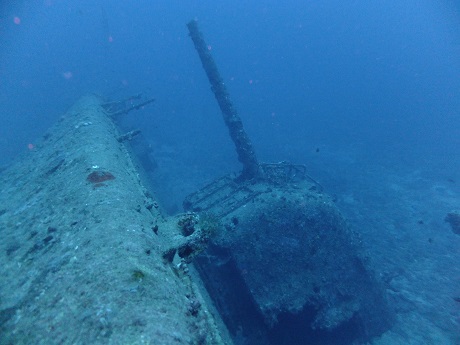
point(67, 75)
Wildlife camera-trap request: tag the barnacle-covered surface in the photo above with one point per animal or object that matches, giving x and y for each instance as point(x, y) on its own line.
point(287, 267)
point(83, 244)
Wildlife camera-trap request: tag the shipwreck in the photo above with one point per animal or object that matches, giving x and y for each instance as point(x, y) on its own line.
point(258, 257)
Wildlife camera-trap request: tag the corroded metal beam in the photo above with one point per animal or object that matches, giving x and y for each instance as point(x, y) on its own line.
point(244, 149)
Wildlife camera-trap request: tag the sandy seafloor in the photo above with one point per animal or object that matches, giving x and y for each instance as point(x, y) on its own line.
point(400, 213)
point(401, 217)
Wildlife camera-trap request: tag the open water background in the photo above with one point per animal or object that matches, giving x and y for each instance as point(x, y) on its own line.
point(365, 93)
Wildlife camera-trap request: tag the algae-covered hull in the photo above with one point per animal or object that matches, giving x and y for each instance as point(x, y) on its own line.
point(83, 245)
point(286, 268)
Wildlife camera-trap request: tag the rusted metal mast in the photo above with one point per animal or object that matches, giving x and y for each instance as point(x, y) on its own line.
point(244, 149)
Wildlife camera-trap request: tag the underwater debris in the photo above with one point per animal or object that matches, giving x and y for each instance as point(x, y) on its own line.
point(187, 224)
point(195, 230)
point(194, 306)
point(453, 218)
point(82, 124)
point(99, 177)
point(128, 136)
point(124, 109)
point(47, 239)
point(168, 255)
point(138, 275)
point(55, 166)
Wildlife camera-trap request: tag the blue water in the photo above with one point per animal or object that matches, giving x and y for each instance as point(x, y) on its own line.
point(302, 74)
point(365, 93)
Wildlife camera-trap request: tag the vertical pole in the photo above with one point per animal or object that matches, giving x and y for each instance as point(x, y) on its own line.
point(246, 154)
